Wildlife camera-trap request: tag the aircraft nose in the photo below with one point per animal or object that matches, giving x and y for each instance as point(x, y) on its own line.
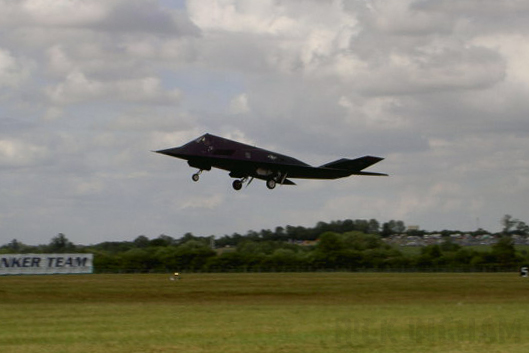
point(173, 152)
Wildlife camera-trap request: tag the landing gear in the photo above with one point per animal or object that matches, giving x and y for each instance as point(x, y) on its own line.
point(271, 184)
point(237, 184)
point(196, 176)
point(246, 180)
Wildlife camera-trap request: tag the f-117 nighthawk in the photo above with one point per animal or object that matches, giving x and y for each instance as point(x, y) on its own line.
point(245, 162)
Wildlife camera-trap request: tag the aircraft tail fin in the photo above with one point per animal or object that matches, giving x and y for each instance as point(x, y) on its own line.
point(355, 166)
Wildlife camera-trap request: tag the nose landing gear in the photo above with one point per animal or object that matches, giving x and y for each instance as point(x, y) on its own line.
point(196, 176)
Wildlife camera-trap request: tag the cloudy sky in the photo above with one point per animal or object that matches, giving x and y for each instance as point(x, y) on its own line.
point(88, 89)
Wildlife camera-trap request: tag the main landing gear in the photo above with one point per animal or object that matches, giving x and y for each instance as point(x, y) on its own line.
point(238, 183)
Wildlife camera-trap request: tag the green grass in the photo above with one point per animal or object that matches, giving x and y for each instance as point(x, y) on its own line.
point(307, 312)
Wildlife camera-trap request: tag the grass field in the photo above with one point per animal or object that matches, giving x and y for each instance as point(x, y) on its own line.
point(307, 312)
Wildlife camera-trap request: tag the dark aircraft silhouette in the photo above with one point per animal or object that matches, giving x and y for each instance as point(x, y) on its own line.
point(245, 162)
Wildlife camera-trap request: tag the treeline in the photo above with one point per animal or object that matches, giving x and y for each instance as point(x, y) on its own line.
point(340, 245)
point(350, 251)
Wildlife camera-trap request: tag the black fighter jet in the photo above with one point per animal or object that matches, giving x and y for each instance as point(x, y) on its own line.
point(245, 162)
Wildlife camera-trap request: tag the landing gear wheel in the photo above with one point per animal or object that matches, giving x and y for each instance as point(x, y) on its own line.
point(270, 183)
point(195, 177)
point(237, 185)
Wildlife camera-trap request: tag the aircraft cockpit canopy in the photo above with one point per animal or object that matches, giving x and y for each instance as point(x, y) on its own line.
point(204, 140)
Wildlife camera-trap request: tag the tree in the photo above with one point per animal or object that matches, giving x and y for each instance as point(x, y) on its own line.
point(193, 255)
point(254, 247)
point(162, 240)
point(373, 227)
point(138, 259)
point(60, 244)
point(514, 226)
point(15, 246)
point(522, 228)
point(362, 225)
point(360, 241)
point(280, 233)
point(433, 251)
point(507, 222)
point(232, 260)
point(504, 251)
point(141, 242)
point(347, 226)
point(449, 245)
point(283, 258)
point(330, 242)
point(393, 227)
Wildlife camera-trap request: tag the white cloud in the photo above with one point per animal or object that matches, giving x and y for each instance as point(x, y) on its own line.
point(53, 113)
point(260, 17)
point(300, 40)
point(19, 153)
point(473, 8)
point(407, 17)
point(377, 112)
point(65, 12)
point(205, 202)
point(13, 70)
point(100, 15)
point(88, 187)
point(343, 45)
point(20, 13)
point(145, 119)
point(79, 88)
point(239, 104)
point(515, 49)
